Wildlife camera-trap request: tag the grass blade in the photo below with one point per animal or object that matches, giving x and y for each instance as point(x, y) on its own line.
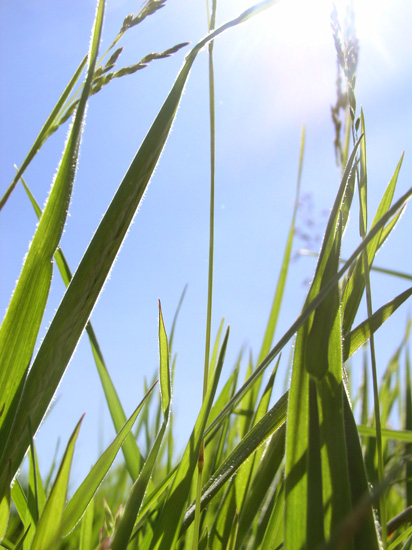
point(125, 524)
point(48, 529)
point(84, 494)
point(272, 421)
point(167, 527)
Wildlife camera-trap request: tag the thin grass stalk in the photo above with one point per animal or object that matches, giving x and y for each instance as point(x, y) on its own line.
point(211, 25)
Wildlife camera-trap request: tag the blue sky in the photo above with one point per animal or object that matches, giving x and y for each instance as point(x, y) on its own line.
point(273, 74)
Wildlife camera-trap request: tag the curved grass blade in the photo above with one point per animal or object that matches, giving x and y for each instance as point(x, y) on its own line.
point(45, 131)
point(124, 526)
point(84, 494)
point(48, 529)
point(21, 324)
point(78, 302)
point(130, 449)
point(359, 335)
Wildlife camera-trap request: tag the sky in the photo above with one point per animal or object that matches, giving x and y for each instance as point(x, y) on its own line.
point(272, 75)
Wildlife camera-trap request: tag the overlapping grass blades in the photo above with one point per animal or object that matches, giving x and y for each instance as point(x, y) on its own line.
point(19, 330)
point(80, 298)
point(250, 494)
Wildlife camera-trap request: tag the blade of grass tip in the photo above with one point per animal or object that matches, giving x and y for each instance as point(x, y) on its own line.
point(125, 524)
point(361, 334)
point(18, 332)
point(75, 309)
point(45, 131)
point(277, 300)
point(166, 529)
point(84, 494)
point(48, 529)
point(307, 311)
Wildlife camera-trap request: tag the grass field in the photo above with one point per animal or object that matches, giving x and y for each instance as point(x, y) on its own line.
point(299, 472)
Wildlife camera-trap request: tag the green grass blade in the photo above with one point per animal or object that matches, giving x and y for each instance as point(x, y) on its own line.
point(316, 477)
point(355, 284)
point(166, 529)
point(273, 537)
point(84, 494)
point(360, 334)
point(21, 324)
point(222, 526)
point(272, 421)
point(267, 468)
point(86, 531)
point(48, 529)
point(125, 524)
point(45, 131)
point(19, 499)
point(36, 497)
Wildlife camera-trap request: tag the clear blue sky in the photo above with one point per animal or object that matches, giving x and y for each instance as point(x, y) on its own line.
point(273, 74)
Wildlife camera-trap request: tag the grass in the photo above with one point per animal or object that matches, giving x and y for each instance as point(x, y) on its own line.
point(297, 473)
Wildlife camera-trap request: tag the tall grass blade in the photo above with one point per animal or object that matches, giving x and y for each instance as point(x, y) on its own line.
point(130, 448)
point(21, 324)
point(48, 529)
point(317, 487)
point(166, 529)
point(125, 524)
